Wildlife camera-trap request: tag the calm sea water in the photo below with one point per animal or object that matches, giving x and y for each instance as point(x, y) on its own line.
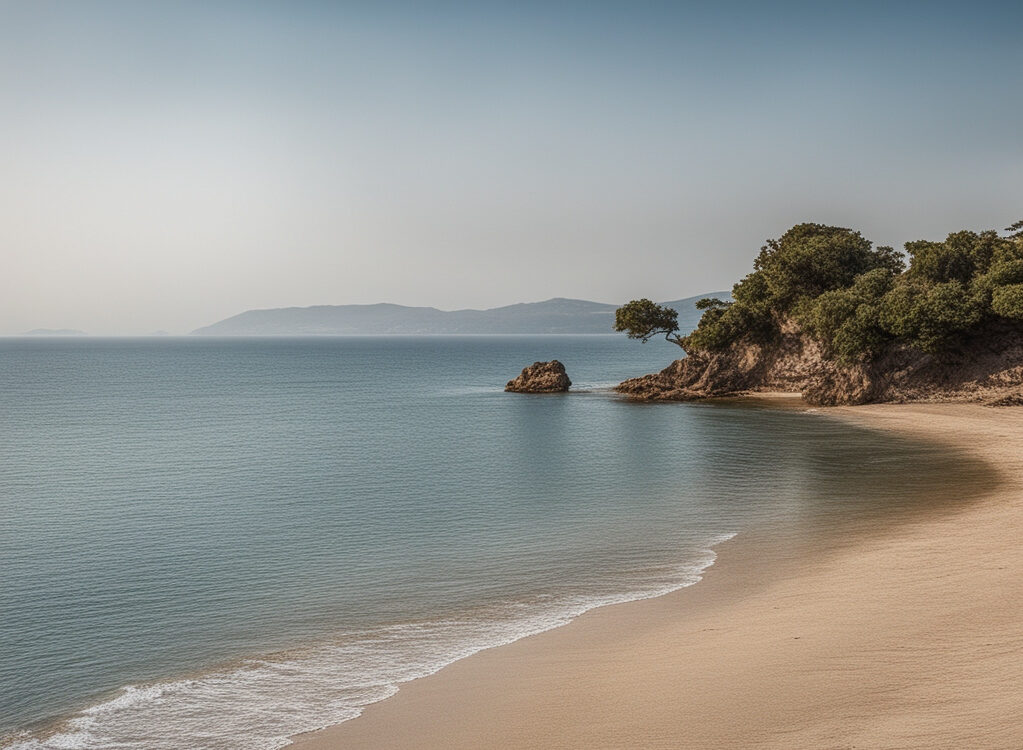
point(221, 543)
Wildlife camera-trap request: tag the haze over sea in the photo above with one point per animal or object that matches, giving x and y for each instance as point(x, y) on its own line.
point(213, 543)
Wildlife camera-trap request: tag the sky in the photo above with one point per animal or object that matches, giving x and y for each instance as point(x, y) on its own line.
point(164, 165)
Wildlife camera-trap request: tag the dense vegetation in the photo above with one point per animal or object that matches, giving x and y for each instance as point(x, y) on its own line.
point(857, 300)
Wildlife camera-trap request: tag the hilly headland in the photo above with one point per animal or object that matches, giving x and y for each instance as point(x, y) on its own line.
point(827, 314)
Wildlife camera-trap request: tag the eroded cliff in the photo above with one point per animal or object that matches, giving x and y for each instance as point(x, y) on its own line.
point(985, 368)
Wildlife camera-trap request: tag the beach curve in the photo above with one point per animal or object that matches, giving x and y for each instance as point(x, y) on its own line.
point(907, 637)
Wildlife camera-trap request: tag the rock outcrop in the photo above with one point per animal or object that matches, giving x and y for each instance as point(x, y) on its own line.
point(541, 377)
point(985, 369)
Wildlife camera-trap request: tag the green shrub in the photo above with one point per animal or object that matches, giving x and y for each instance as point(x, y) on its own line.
point(721, 326)
point(944, 312)
point(847, 321)
point(899, 312)
point(1007, 301)
point(857, 300)
point(929, 317)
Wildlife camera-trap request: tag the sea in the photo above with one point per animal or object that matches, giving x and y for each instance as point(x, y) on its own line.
point(221, 543)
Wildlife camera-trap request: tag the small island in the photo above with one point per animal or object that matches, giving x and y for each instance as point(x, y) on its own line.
point(541, 377)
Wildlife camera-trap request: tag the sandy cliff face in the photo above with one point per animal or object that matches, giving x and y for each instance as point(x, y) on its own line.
point(986, 369)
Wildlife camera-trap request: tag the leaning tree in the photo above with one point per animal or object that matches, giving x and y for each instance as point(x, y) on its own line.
point(643, 319)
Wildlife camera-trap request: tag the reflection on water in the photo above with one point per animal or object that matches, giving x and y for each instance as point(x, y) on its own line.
point(299, 524)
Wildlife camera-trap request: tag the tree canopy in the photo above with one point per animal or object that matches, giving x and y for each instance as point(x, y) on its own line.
point(643, 319)
point(857, 300)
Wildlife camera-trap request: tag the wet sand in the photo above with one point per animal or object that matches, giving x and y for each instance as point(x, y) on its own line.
point(908, 635)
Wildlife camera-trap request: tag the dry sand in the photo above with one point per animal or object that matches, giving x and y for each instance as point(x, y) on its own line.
point(911, 637)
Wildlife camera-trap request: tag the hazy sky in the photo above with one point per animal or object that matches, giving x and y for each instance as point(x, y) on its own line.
point(165, 165)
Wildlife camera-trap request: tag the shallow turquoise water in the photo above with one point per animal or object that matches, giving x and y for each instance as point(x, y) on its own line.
point(204, 539)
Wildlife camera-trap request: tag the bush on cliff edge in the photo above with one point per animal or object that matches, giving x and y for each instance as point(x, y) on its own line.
point(857, 300)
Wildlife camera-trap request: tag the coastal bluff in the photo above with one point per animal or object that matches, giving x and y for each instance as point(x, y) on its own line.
point(828, 314)
point(986, 368)
point(541, 377)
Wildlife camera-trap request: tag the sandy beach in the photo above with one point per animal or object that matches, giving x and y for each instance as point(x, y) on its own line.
point(908, 635)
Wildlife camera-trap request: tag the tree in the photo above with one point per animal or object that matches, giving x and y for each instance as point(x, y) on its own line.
point(643, 319)
point(857, 300)
point(790, 273)
point(811, 259)
point(711, 303)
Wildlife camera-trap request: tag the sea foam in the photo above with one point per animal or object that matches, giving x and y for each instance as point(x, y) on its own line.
point(260, 703)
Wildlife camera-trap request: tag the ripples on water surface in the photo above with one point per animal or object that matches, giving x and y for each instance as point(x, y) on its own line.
point(221, 543)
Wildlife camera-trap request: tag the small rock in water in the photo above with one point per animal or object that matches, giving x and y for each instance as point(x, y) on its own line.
point(541, 377)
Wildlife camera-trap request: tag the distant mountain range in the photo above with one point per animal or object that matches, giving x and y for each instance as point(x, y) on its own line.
point(54, 332)
point(556, 315)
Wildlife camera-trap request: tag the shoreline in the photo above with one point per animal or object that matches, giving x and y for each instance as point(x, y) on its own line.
point(826, 648)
